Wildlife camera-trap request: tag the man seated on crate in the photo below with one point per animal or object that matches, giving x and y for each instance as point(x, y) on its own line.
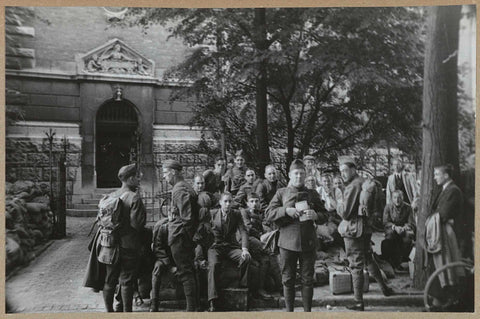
point(399, 231)
point(253, 220)
point(225, 223)
point(246, 188)
point(163, 259)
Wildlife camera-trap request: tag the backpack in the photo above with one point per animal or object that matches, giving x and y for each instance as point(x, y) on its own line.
point(109, 221)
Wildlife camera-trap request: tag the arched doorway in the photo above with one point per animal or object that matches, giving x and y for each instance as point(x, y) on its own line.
point(117, 140)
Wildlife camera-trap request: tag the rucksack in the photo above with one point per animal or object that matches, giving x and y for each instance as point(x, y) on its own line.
point(109, 221)
point(109, 211)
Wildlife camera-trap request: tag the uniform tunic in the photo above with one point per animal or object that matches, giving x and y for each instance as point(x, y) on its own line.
point(235, 177)
point(297, 240)
point(266, 190)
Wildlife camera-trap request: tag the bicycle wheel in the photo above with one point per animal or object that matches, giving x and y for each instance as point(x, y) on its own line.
point(465, 264)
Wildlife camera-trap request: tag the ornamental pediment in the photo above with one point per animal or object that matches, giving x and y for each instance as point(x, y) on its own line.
point(115, 58)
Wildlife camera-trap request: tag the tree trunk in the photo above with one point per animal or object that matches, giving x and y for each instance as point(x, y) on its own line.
point(290, 138)
point(263, 157)
point(440, 128)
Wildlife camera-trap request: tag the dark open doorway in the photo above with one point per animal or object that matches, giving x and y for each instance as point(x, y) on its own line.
point(116, 140)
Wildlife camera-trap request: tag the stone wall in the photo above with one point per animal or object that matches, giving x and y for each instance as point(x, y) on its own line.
point(183, 144)
point(62, 32)
point(27, 154)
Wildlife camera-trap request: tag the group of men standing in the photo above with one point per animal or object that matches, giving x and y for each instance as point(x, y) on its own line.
point(226, 212)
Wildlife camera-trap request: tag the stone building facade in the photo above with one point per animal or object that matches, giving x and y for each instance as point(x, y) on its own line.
point(102, 88)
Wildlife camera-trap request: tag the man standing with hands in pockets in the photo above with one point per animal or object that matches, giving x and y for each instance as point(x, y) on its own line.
point(295, 209)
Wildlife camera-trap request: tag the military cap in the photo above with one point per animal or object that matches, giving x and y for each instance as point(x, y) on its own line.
point(253, 195)
point(308, 157)
point(297, 164)
point(127, 171)
point(173, 164)
point(346, 160)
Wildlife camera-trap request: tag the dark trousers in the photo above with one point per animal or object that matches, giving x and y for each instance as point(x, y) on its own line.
point(288, 265)
point(395, 248)
point(215, 255)
point(156, 282)
point(183, 253)
point(124, 272)
point(359, 254)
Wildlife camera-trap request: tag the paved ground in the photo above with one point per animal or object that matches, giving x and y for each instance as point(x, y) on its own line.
point(53, 282)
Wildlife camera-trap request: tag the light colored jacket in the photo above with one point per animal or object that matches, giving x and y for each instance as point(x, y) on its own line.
point(409, 182)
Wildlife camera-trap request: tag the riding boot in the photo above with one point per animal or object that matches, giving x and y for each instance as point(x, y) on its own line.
point(155, 291)
point(108, 294)
point(307, 297)
point(127, 298)
point(357, 282)
point(274, 270)
point(189, 287)
point(289, 295)
point(261, 279)
point(375, 271)
point(118, 307)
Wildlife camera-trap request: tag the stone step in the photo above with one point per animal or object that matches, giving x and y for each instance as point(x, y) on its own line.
point(86, 206)
point(90, 201)
point(81, 212)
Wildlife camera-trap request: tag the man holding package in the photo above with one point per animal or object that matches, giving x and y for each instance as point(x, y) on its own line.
point(295, 209)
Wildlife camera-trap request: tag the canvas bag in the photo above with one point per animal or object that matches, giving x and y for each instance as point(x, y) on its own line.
point(108, 217)
point(270, 241)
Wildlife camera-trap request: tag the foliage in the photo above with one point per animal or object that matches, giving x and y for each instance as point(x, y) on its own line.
point(338, 78)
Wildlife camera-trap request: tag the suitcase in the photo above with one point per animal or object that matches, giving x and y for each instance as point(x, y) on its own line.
point(341, 281)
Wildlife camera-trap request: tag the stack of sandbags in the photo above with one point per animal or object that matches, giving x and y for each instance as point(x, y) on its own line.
point(29, 221)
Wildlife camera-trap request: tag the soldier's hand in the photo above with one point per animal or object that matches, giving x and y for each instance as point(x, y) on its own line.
point(245, 254)
point(398, 229)
point(310, 214)
point(292, 212)
point(156, 268)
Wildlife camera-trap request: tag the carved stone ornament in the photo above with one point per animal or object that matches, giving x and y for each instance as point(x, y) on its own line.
point(115, 58)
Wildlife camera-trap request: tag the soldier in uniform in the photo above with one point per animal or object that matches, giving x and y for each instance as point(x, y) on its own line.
point(163, 259)
point(295, 209)
point(214, 179)
point(182, 226)
point(133, 219)
point(225, 223)
point(267, 187)
point(202, 237)
point(235, 176)
point(246, 188)
point(399, 231)
point(353, 206)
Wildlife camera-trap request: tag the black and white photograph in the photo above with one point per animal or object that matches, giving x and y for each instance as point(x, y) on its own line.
point(249, 159)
